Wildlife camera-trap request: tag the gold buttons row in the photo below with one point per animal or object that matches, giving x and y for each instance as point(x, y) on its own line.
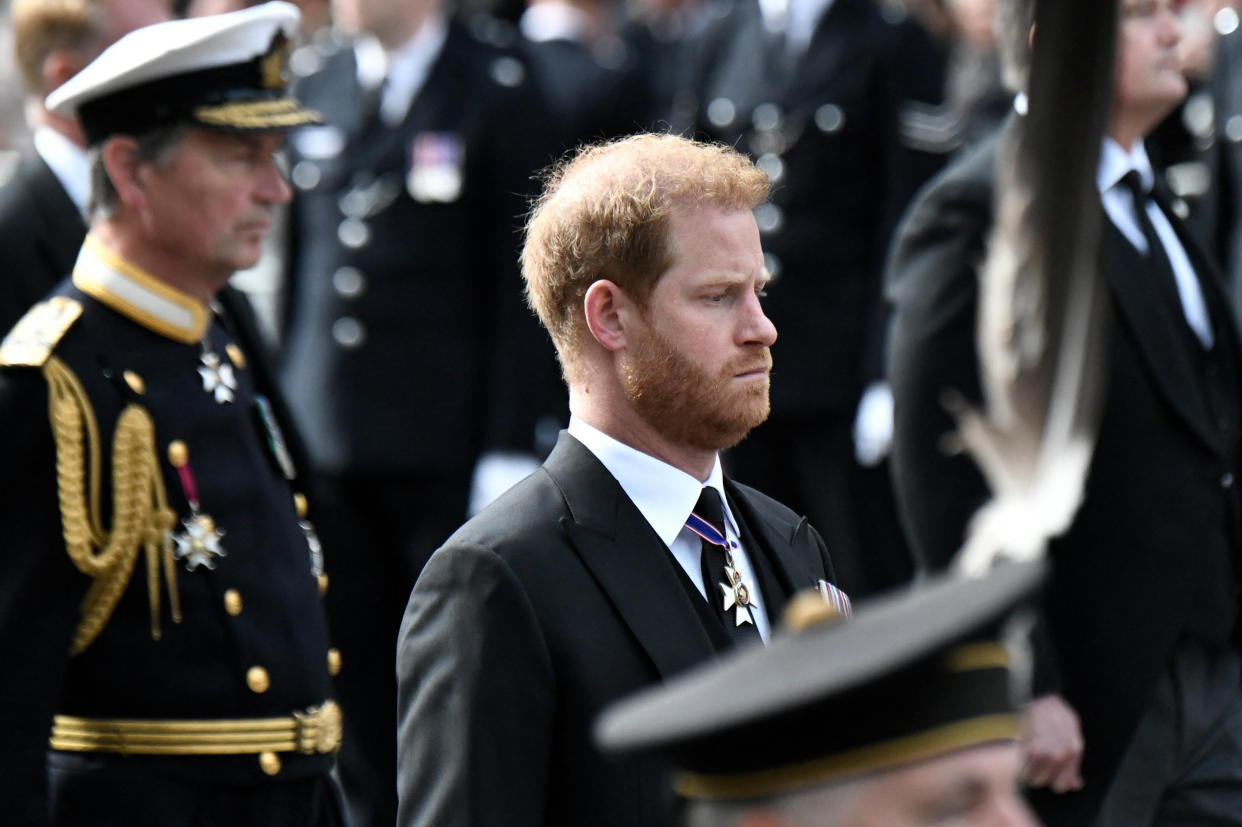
point(259, 681)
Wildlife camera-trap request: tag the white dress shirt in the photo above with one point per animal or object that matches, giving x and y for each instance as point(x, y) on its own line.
point(402, 71)
point(1119, 204)
point(665, 496)
point(68, 163)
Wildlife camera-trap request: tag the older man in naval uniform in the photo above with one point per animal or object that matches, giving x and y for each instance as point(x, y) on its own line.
point(167, 659)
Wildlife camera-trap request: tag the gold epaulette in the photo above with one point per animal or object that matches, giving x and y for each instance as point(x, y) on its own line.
point(35, 336)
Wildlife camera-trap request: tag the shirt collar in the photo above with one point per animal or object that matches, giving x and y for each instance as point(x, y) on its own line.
point(664, 495)
point(404, 69)
point(554, 20)
point(68, 163)
point(137, 295)
point(1115, 162)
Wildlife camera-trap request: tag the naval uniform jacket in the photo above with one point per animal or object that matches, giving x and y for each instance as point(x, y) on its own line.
point(251, 641)
point(1152, 551)
point(40, 233)
point(554, 601)
point(408, 348)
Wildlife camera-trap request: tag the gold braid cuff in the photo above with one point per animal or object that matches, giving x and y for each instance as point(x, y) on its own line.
point(141, 517)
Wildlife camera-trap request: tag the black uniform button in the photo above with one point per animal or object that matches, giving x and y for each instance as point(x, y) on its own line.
point(349, 333)
point(766, 117)
point(1226, 480)
point(830, 118)
point(772, 166)
point(354, 233)
point(770, 218)
point(721, 112)
point(233, 602)
point(349, 283)
point(305, 175)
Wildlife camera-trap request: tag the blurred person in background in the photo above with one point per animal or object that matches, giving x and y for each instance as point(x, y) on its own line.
point(838, 101)
point(417, 374)
point(591, 78)
point(1137, 717)
point(43, 206)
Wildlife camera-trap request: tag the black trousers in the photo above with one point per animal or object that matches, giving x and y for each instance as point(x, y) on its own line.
point(1183, 767)
point(377, 532)
point(90, 790)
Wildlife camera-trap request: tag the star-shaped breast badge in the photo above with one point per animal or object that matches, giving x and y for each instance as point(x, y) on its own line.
point(218, 378)
point(198, 542)
point(737, 597)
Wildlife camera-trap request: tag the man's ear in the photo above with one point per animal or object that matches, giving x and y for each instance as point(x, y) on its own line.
point(120, 159)
point(59, 66)
point(606, 307)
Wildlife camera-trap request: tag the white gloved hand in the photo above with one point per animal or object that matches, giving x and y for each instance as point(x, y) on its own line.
point(873, 424)
point(494, 474)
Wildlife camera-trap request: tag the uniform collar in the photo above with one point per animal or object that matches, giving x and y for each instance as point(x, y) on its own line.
point(137, 295)
point(664, 495)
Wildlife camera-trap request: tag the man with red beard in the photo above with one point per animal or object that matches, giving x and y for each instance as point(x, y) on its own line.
point(628, 556)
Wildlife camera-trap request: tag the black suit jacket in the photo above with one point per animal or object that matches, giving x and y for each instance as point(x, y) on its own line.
point(1151, 552)
point(554, 601)
point(833, 130)
point(40, 233)
point(408, 347)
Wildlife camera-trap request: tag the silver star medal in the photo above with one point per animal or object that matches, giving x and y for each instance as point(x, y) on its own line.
point(198, 542)
point(736, 596)
point(218, 378)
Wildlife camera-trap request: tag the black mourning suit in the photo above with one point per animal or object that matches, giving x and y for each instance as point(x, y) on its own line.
point(1151, 556)
point(408, 349)
point(554, 601)
point(40, 233)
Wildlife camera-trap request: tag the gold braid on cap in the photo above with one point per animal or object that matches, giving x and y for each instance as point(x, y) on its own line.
point(140, 513)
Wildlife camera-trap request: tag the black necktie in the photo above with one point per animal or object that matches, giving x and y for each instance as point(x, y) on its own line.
point(1155, 248)
point(1157, 256)
point(717, 578)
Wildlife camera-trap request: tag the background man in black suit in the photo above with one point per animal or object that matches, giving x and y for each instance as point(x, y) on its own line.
point(588, 579)
point(407, 352)
point(160, 586)
point(43, 206)
point(834, 101)
point(1139, 640)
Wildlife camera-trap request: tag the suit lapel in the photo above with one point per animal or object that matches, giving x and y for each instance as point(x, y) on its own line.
point(1155, 329)
point(785, 544)
point(628, 560)
point(831, 46)
point(59, 218)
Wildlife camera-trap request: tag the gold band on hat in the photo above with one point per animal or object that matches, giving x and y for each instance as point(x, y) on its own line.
point(872, 758)
point(315, 730)
point(257, 114)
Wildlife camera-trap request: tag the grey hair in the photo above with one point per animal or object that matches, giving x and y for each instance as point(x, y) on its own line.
point(155, 145)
